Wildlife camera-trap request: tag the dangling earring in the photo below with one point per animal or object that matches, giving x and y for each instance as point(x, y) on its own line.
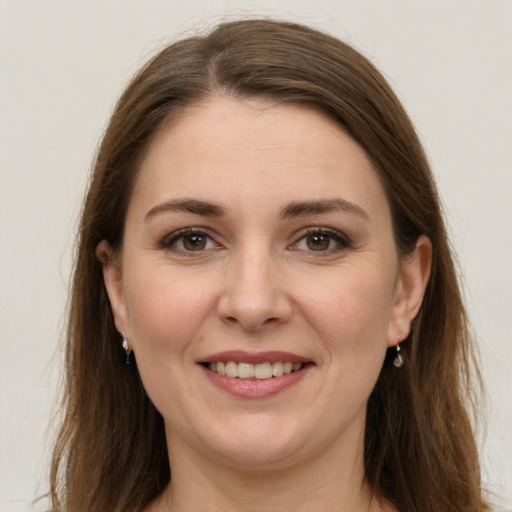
point(126, 348)
point(399, 360)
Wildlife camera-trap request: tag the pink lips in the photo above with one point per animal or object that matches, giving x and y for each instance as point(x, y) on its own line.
point(254, 388)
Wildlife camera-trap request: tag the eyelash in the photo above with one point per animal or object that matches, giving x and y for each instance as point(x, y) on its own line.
point(181, 234)
point(342, 241)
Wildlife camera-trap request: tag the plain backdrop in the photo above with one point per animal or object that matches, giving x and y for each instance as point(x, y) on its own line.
point(62, 66)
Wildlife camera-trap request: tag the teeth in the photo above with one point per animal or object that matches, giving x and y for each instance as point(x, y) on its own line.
point(260, 371)
point(263, 371)
point(231, 369)
point(277, 369)
point(245, 370)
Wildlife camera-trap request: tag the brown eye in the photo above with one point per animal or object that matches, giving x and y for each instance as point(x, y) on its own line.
point(321, 240)
point(194, 242)
point(318, 242)
point(187, 241)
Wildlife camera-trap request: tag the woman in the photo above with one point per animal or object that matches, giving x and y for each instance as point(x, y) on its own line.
point(262, 243)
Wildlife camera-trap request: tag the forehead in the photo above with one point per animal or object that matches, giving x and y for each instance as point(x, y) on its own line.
point(234, 151)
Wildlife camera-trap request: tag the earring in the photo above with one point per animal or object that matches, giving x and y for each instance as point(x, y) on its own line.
point(126, 348)
point(399, 360)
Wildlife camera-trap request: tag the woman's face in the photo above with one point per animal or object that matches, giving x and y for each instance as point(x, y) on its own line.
point(259, 236)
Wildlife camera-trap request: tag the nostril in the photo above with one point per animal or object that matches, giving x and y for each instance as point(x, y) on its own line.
point(253, 305)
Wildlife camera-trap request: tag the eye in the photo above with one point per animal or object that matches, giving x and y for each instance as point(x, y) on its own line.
point(318, 242)
point(189, 240)
point(321, 240)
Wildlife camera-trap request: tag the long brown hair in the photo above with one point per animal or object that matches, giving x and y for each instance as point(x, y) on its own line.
point(420, 451)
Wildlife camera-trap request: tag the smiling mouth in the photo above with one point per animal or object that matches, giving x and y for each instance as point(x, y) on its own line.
point(259, 371)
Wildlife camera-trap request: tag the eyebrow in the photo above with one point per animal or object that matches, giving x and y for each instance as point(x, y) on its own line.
point(293, 209)
point(297, 209)
point(188, 205)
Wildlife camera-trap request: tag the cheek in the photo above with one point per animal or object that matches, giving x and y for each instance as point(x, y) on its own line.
point(351, 302)
point(167, 318)
point(166, 312)
point(350, 311)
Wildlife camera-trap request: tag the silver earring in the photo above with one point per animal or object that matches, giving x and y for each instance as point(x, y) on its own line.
point(126, 348)
point(399, 360)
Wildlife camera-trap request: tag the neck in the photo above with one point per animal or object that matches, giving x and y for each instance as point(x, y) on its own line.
point(328, 482)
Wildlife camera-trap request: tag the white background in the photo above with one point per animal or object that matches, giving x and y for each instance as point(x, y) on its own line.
point(63, 64)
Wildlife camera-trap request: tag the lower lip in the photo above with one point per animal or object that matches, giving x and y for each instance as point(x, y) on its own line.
point(254, 388)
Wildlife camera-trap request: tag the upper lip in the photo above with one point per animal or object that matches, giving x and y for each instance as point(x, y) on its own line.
point(242, 356)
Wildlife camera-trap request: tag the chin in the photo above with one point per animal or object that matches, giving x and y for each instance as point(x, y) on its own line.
point(259, 456)
point(256, 444)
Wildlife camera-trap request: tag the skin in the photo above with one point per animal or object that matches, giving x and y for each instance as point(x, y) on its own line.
point(259, 283)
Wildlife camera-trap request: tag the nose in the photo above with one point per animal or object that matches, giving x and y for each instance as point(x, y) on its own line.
point(254, 295)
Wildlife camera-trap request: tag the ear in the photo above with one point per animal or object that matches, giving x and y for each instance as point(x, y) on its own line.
point(412, 281)
point(112, 277)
